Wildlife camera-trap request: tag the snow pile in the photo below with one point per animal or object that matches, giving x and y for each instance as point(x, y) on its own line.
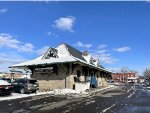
point(65, 91)
point(18, 95)
point(54, 92)
point(82, 86)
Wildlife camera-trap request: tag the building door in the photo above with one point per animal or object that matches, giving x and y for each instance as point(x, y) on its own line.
point(78, 73)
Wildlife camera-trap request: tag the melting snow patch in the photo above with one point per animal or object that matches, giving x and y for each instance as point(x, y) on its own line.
point(65, 91)
point(54, 92)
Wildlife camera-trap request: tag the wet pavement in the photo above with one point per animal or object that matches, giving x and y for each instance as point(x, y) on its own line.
point(137, 102)
point(122, 99)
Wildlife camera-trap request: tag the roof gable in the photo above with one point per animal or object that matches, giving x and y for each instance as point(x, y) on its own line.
point(50, 53)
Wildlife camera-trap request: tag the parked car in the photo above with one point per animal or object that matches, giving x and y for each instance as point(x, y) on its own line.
point(110, 81)
point(116, 83)
point(6, 79)
point(146, 83)
point(5, 87)
point(25, 85)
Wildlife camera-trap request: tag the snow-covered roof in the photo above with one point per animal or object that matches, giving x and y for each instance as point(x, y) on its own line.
point(88, 58)
point(65, 53)
point(45, 61)
point(84, 62)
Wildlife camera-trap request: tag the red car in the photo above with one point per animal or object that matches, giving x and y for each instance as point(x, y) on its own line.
point(5, 87)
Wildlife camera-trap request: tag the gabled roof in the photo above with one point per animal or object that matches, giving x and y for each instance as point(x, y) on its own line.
point(50, 50)
point(38, 61)
point(65, 54)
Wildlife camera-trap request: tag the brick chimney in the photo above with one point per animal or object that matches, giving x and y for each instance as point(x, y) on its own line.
point(85, 53)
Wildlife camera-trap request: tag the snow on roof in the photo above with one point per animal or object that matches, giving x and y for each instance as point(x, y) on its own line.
point(46, 61)
point(88, 58)
point(74, 52)
point(62, 51)
point(65, 53)
point(92, 65)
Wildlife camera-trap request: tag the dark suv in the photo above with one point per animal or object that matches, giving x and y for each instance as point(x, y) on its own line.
point(25, 85)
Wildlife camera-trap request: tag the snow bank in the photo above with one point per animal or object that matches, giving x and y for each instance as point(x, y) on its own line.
point(82, 86)
point(54, 92)
point(18, 95)
point(65, 91)
point(68, 92)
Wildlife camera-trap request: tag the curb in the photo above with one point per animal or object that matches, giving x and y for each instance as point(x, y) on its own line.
point(101, 89)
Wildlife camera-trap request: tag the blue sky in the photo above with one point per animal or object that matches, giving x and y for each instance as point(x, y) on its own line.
point(115, 32)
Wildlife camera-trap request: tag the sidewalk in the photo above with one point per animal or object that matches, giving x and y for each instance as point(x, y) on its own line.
point(68, 92)
point(100, 89)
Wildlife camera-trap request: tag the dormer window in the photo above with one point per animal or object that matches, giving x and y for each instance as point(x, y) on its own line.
point(51, 53)
point(91, 61)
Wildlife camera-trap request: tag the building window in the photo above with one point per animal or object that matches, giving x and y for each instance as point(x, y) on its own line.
point(78, 73)
point(50, 54)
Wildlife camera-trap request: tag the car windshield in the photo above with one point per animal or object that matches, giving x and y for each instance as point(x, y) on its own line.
point(8, 80)
point(32, 81)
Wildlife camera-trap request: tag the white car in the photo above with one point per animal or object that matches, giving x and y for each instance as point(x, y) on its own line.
point(5, 87)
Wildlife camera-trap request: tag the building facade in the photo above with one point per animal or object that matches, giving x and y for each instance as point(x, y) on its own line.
point(63, 66)
point(124, 77)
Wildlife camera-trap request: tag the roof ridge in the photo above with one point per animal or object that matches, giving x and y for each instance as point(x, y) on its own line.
point(71, 47)
point(74, 52)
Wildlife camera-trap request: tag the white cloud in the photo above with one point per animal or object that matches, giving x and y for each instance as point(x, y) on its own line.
point(122, 49)
point(115, 70)
point(42, 50)
point(27, 47)
point(8, 41)
point(105, 58)
point(4, 10)
point(148, 1)
point(4, 68)
point(80, 44)
point(10, 59)
point(102, 46)
point(52, 35)
point(102, 51)
point(100, 54)
point(65, 23)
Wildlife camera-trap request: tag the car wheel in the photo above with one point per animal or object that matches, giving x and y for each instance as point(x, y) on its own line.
point(22, 91)
point(34, 91)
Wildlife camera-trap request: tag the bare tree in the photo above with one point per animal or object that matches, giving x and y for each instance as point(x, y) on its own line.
point(124, 70)
point(147, 74)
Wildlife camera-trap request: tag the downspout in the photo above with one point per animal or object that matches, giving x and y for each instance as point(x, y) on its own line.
point(65, 82)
